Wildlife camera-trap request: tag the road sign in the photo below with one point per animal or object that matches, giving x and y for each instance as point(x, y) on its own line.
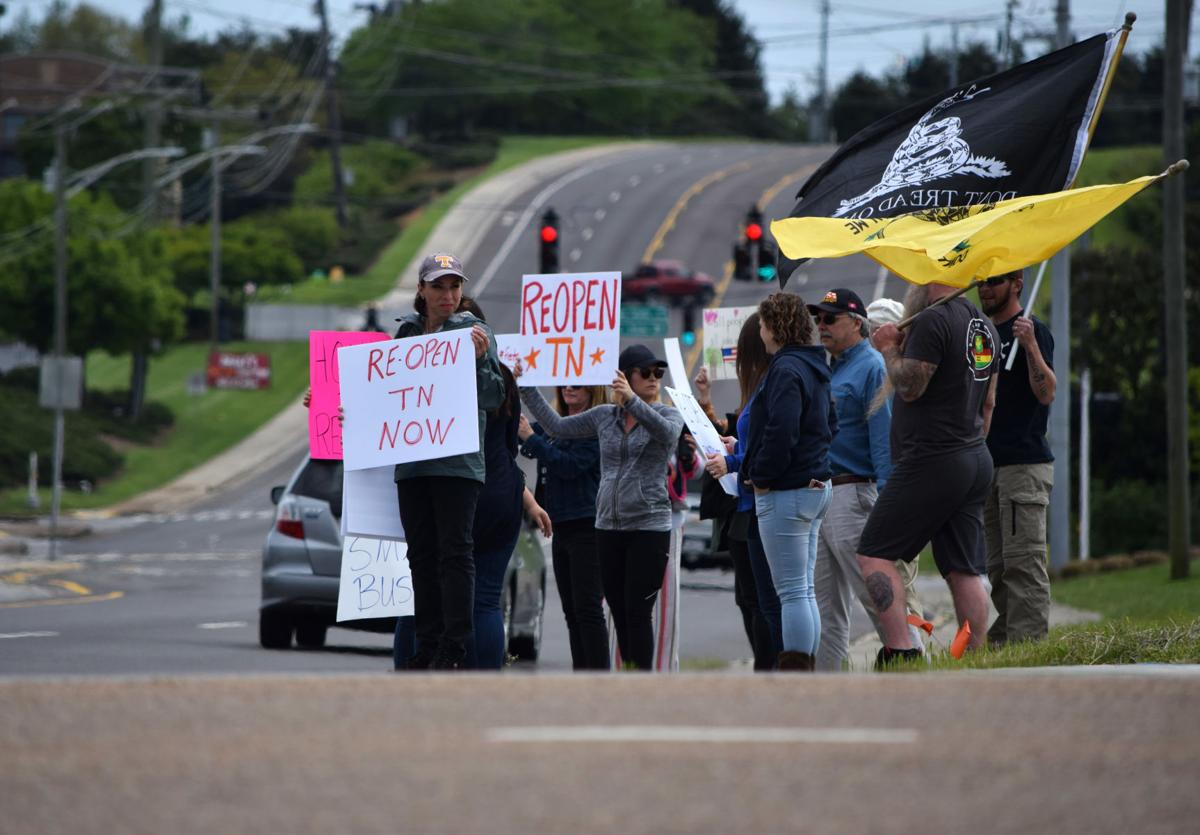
point(644, 320)
point(61, 383)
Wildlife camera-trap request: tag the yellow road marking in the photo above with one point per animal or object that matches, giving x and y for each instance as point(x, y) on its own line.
point(669, 221)
point(58, 601)
point(70, 586)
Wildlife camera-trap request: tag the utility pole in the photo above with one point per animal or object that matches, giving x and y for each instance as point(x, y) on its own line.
point(60, 323)
point(214, 224)
point(1060, 409)
point(1008, 53)
point(818, 127)
point(334, 116)
point(954, 55)
point(1178, 512)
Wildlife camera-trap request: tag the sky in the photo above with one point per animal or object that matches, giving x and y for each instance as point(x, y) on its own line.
point(864, 34)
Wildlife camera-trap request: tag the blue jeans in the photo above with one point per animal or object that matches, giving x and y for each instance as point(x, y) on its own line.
point(487, 646)
point(789, 523)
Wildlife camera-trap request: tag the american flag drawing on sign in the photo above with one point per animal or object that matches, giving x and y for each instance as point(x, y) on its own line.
point(729, 355)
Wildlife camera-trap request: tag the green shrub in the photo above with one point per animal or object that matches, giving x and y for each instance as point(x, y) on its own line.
point(311, 231)
point(86, 455)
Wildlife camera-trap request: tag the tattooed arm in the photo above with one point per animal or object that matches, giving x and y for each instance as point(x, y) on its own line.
point(909, 377)
point(1042, 381)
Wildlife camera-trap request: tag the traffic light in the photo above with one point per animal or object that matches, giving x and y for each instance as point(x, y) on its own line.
point(688, 335)
point(766, 261)
point(741, 262)
point(754, 241)
point(548, 242)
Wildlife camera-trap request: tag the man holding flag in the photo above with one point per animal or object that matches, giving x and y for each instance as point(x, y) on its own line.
point(943, 372)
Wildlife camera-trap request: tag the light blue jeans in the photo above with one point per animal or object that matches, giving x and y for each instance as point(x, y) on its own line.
point(789, 522)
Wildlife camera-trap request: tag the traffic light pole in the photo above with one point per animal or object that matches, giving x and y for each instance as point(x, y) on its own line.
point(60, 324)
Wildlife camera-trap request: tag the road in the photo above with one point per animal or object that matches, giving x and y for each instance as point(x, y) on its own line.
point(1102, 752)
point(179, 592)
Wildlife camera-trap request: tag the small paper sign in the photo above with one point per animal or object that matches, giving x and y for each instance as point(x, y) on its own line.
point(375, 581)
point(707, 439)
point(722, 326)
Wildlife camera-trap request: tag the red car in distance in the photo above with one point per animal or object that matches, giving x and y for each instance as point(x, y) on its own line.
point(668, 281)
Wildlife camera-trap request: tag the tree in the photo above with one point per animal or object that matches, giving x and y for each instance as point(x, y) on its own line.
point(862, 100)
point(119, 293)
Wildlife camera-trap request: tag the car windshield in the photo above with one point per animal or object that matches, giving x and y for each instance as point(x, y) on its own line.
point(321, 479)
point(645, 271)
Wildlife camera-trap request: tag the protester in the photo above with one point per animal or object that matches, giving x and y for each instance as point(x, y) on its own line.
point(438, 497)
point(943, 374)
point(568, 478)
point(1014, 516)
point(883, 312)
point(754, 591)
point(633, 512)
point(792, 422)
point(860, 458)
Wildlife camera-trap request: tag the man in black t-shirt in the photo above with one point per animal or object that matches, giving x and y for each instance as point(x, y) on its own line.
point(1014, 516)
point(943, 372)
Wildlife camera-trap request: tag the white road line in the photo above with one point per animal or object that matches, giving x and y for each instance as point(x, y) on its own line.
point(634, 181)
point(28, 634)
point(702, 733)
point(687, 158)
point(586, 234)
point(880, 280)
point(245, 514)
point(614, 196)
point(600, 214)
point(518, 229)
point(659, 168)
point(228, 624)
point(575, 254)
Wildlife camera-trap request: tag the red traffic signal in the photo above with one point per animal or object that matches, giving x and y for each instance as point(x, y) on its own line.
point(549, 234)
point(753, 232)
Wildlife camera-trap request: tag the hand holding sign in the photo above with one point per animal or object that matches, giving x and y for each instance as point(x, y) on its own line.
point(621, 390)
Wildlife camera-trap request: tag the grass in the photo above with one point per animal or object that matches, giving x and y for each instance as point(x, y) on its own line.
point(381, 277)
point(205, 425)
point(1148, 618)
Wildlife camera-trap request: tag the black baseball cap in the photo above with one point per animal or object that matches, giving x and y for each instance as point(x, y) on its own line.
point(638, 356)
point(439, 264)
point(840, 300)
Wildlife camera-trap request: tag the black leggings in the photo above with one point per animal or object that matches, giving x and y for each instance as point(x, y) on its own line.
point(631, 566)
point(577, 573)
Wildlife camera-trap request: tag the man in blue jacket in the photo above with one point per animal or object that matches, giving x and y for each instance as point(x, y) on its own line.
point(860, 457)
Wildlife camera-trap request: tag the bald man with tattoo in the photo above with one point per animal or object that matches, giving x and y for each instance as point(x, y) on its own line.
point(943, 371)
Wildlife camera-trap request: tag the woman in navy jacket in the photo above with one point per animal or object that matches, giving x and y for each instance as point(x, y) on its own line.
point(568, 478)
point(792, 422)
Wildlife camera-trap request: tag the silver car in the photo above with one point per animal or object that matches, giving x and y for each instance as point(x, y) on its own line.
point(302, 562)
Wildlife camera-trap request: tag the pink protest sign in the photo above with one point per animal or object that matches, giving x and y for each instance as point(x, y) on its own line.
point(324, 430)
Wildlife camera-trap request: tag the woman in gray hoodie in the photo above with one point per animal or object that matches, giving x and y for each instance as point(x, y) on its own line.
point(633, 511)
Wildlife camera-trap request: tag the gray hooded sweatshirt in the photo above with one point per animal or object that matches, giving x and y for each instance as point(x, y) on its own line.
point(633, 465)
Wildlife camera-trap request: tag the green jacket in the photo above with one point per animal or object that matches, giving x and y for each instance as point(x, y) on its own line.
point(489, 387)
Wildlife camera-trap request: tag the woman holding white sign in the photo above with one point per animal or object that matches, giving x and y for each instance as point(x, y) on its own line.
point(438, 497)
point(633, 510)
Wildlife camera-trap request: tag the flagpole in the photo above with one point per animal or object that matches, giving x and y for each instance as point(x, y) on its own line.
point(1037, 284)
point(906, 322)
point(1130, 17)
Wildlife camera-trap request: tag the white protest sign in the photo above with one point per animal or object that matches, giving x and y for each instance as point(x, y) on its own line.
point(675, 364)
point(722, 325)
point(409, 399)
point(376, 581)
point(369, 504)
point(707, 439)
point(570, 329)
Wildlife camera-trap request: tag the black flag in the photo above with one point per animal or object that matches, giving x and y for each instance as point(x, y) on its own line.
point(1018, 132)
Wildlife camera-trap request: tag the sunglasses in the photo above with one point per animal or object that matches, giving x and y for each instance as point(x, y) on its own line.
point(827, 318)
point(996, 280)
point(657, 372)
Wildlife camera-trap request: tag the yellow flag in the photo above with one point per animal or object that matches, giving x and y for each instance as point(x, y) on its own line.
point(958, 244)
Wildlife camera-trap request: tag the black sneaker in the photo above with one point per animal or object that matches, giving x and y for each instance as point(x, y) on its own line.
point(890, 659)
point(446, 661)
point(422, 659)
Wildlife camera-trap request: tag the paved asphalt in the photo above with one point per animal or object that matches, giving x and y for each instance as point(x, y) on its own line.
point(935, 753)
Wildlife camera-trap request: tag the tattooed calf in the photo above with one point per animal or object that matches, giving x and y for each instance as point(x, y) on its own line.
point(880, 589)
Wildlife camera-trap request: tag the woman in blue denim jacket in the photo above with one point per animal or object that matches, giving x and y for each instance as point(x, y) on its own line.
point(568, 477)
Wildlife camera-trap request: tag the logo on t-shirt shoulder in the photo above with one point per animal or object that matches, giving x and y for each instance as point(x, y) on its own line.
point(981, 349)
